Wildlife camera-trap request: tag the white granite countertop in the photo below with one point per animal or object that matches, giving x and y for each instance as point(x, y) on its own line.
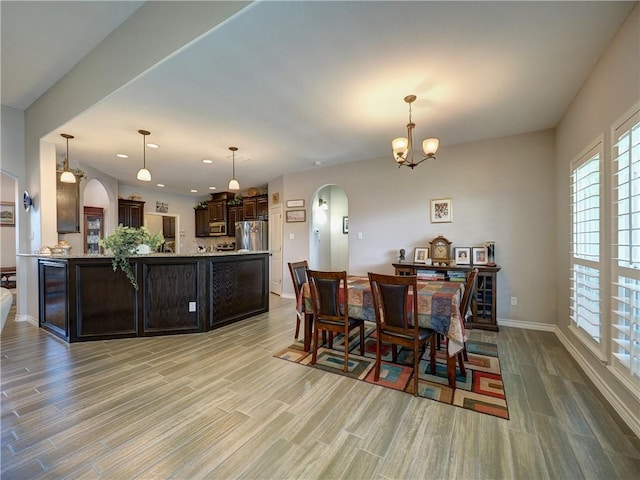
point(194, 254)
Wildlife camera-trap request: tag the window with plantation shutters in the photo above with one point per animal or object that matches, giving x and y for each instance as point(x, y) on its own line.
point(625, 264)
point(585, 247)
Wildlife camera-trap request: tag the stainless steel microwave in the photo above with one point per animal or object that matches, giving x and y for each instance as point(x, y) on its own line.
point(218, 229)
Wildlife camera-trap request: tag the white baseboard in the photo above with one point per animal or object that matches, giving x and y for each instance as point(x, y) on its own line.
point(630, 418)
point(288, 295)
point(545, 327)
point(27, 318)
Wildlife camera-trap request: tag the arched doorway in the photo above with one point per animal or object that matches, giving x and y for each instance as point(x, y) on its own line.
point(329, 238)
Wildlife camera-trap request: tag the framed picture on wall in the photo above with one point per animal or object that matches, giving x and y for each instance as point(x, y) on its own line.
point(462, 255)
point(345, 224)
point(293, 216)
point(7, 214)
point(295, 203)
point(480, 255)
point(441, 210)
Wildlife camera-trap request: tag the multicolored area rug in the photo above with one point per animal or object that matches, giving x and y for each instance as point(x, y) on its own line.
point(480, 390)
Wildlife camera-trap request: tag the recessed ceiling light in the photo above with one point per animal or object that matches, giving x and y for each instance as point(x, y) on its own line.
point(317, 163)
point(122, 155)
point(194, 190)
point(153, 145)
point(212, 188)
point(160, 184)
point(206, 160)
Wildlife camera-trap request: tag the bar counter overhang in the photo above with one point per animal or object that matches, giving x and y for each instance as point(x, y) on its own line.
point(81, 298)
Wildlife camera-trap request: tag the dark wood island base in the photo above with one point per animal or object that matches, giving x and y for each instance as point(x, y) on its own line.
point(83, 299)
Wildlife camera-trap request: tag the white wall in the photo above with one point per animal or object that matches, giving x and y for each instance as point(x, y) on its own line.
point(12, 162)
point(610, 91)
point(501, 189)
point(8, 233)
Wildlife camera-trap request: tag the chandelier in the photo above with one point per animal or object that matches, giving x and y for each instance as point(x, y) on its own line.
point(403, 147)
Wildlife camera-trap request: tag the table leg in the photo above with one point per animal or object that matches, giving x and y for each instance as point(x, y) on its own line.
point(451, 370)
point(308, 330)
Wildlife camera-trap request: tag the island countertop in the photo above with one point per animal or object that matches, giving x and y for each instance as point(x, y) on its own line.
point(82, 298)
point(152, 255)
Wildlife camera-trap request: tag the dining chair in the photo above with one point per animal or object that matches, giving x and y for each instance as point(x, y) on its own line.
point(298, 277)
point(330, 300)
point(465, 304)
point(396, 325)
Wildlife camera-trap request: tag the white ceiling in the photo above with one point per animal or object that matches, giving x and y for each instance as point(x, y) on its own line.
point(293, 84)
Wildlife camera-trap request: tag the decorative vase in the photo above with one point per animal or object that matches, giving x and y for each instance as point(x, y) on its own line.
point(491, 253)
point(143, 249)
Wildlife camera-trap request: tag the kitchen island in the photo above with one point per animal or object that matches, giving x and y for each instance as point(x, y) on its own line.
point(81, 298)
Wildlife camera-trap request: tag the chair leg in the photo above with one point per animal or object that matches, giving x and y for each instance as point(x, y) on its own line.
point(416, 369)
point(297, 327)
point(314, 356)
point(432, 355)
point(362, 339)
point(461, 363)
point(464, 353)
point(346, 350)
point(376, 373)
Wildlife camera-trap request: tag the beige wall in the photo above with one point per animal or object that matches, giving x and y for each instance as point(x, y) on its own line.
point(610, 91)
point(501, 190)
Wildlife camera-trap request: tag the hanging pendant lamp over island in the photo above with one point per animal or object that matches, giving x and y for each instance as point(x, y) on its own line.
point(67, 175)
point(233, 183)
point(403, 147)
point(144, 175)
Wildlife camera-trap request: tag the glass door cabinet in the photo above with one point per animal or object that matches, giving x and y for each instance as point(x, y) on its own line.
point(93, 231)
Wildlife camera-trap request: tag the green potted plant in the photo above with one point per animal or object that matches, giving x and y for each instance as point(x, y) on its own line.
point(127, 241)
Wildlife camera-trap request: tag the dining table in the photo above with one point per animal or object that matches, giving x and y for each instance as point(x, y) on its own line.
point(438, 309)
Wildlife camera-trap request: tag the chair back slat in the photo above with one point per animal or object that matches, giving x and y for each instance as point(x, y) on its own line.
point(327, 290)
point(390, 300)
point(394, 304)
point(298, 272)
point(469, 288)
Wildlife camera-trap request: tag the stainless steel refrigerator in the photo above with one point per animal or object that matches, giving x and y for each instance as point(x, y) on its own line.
point(252, 235)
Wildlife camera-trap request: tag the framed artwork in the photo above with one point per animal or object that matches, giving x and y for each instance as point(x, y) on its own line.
point(462, 255)
point(7, 214)
point(275, 197)
point(441, 210)
point(480, 255)
point(295, 203)
point(296, 216)
point(420, 254)
point(345, 224)
point(162, 207)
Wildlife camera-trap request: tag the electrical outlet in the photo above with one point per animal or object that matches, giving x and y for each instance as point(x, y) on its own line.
point(514, 301)
point(192, 306)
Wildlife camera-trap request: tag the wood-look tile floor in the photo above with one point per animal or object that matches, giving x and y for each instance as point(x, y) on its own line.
point(218, 405)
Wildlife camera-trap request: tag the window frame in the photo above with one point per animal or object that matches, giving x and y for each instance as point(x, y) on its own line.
point(623, 373)
point(598, 348)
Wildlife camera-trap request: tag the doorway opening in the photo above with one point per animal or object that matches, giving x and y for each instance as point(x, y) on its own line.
point(329, 236)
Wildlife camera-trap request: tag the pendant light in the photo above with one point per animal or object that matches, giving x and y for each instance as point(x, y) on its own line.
point(67, 175)
point(403, 147)
point(233, 183)
point(144, 175)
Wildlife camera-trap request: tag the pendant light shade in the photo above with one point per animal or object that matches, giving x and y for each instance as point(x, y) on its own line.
point(233, 183)
point(144, 175)
point(67, 175)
